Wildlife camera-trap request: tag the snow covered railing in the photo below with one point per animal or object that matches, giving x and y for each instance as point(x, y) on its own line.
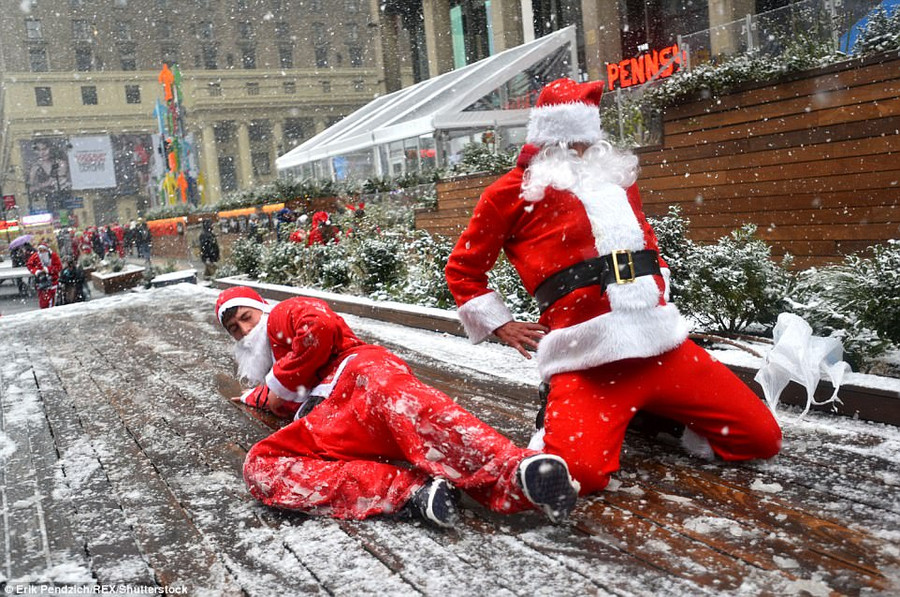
point(863, 396)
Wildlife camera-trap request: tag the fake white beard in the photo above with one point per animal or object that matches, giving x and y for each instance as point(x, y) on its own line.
point(45, 258)
point(562, 168)
point(254, 355)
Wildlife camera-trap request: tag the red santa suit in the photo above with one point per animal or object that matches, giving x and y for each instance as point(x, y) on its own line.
point(370, 411)
point(610, 351)
point(51, 265)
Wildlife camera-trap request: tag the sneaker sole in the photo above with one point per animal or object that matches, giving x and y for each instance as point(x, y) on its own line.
point(551, 489)
point(452, 514)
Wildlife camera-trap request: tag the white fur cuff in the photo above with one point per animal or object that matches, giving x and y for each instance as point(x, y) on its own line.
point(282, 392)
point(564, 123)
point(482, 315)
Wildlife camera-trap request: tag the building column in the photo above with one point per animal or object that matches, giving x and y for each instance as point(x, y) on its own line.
point(602, 37)
point(527, 11)
point(278, 138)
point(384, 27)
point(506, 21)
point(438, 40)
point(209, 169)
point(245, 165)
point(727, 40)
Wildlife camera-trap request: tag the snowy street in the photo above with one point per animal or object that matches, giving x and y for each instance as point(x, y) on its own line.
point(121, 464)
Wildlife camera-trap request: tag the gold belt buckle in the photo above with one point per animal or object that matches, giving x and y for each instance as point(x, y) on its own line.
point(615, 258)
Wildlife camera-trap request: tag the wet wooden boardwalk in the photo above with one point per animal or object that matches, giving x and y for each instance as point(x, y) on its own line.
point(121, 465)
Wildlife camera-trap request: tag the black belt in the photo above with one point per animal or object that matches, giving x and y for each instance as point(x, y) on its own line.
point(619, 267)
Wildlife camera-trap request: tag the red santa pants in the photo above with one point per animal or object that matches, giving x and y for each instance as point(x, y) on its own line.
point(589, 411)
point(47, 298)
point(335, 461)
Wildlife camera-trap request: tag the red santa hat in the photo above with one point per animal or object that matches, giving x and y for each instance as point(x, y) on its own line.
point(566, 112)
point(43, 247)
point(240, 296)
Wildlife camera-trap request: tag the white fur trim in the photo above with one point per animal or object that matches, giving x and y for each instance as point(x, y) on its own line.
point(667, 275)
point(564, 123)
point(643, 293)
point(611, 337)
point(482, 315)
point(613, 222)
point(282, 392)
point(242, 301)
point(537, 441)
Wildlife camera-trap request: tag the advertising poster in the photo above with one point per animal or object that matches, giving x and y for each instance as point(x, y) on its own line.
point(91, 162)
point(47, 174)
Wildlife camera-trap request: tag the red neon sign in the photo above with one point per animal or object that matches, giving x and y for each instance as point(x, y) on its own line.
point(633, 71)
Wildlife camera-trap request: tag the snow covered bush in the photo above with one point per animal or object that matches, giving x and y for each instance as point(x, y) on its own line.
point(505, 280)
point(881, 33)
point(856, 301)
point(425, 283)
point(278, 262)
point(377, 264)
point(733, 284)
point(246, 256)
point(674, 246)
point(481, 158)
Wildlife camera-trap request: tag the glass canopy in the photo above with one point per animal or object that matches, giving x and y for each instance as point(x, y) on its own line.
point(427, 124)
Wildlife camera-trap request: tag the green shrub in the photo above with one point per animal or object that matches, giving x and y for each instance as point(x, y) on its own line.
point(505, 280)
point(856, 301)
point(881, 33)
point(278, 262)
point(425, 283)
point(377, 263)
point(733, 284)
point(674, 246)
point(246, 256)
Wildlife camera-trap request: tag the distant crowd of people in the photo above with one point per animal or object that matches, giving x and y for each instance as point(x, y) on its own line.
point(291, 226)
point(59, 274)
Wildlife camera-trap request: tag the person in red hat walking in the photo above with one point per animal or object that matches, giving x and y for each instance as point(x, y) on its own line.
point(357, 410)
point(608, 342)
point(45, 265)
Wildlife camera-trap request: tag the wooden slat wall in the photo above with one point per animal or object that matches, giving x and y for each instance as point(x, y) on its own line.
point(456, 200)
point(811, 160)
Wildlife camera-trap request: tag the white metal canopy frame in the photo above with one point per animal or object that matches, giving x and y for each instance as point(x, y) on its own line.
point(492, 94)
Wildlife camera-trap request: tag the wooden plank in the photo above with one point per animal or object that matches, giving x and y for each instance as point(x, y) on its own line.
point(820, 99)
point(819, 118)
point(805, 153)
point(832, 168)
point(115, 557)
point(38, 540)
point(799, 84)
point(799, 217)
point(832, 201)
point(163, 531)
point(863, 183)
point(783, 140)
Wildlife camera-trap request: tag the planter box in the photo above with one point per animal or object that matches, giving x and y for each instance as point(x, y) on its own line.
point(111, 282)
point(187, 275)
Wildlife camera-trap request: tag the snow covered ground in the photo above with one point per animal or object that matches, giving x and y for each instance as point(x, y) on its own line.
point(121, 464)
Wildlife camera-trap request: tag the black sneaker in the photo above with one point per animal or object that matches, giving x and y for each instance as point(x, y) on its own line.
point(436, 503)
point(546, 483)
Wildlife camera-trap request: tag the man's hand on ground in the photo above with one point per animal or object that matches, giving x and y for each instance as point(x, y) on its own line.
point(521, 336)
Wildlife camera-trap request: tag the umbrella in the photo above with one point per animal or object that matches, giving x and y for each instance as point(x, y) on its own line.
point(20, 240)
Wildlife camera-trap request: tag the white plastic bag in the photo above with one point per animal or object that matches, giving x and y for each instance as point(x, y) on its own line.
point(801, 357)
